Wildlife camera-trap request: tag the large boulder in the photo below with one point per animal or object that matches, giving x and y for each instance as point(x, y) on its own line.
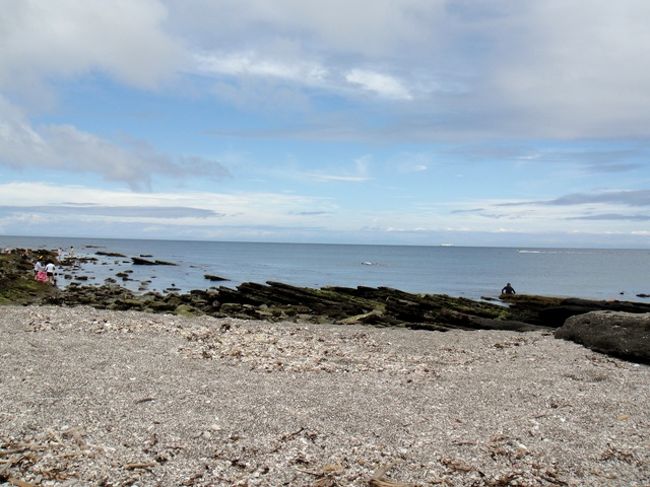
point(616, 333)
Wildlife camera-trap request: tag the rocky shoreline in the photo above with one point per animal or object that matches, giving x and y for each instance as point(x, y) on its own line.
point(382, 307)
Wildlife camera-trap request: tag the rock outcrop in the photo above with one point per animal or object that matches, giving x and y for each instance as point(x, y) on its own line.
point(141, 261)
point(212, 277)
point(554, 311)
point(17, 283)
point(620, 334)
point(109, 254)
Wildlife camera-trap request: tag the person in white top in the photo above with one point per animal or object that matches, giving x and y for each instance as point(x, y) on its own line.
point(38, 267)
point(50, 269)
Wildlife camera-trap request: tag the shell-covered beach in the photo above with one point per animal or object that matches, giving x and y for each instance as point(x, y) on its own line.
point(95, 397)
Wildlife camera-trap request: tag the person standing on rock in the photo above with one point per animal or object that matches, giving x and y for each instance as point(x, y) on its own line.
point(508, 289)
point(50, 269)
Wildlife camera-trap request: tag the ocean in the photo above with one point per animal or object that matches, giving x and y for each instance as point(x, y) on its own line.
point(471, 272)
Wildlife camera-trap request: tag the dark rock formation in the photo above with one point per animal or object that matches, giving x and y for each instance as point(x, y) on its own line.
point(211, 277)
point(141, 261)
point(621, 334)
point(279, 302)
point(109, 254)
point(553, 311)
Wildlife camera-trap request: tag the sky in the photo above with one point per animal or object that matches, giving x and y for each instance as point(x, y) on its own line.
point(415, 122)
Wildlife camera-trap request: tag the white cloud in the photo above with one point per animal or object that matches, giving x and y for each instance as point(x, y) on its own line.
point(412, 162)
point(550, 68)
point(41, 40)
point(359, 174)
point(303, 73)
point(64, 147)
point(363, 27)
point(575, 68)
point(378, 83)
point(208, 208)
point(250, 64)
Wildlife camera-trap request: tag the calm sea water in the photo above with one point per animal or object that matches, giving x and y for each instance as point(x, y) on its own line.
point(458, 271)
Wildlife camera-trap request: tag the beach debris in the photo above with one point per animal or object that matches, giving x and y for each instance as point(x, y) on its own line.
point(138, 465)
point(378, 478)
point(457, 464)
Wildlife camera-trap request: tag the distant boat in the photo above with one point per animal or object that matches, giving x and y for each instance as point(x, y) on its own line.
point(367, 262)
point(446, 245)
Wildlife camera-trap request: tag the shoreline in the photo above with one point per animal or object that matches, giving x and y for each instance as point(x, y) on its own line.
point(379, 307)
point(123, 397)
point(436, 270)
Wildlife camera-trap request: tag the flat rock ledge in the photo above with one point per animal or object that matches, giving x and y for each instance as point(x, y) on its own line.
point(125, 398)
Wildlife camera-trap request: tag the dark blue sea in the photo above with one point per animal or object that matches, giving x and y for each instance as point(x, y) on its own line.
point(470, 272)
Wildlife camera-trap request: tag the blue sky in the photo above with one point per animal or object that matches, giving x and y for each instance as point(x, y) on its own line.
point(420, 122)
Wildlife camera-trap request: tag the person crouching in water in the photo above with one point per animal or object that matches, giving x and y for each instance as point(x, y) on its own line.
point(50, 269)
point(508, 289)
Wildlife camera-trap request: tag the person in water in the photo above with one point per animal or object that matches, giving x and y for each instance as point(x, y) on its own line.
point(508, 289)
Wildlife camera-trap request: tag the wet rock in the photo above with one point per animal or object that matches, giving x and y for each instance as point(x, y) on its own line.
point(109, 254)
point(186, 310)
point(141, 261)
point(620, 334)
point(553, 311)
point(211, 277)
